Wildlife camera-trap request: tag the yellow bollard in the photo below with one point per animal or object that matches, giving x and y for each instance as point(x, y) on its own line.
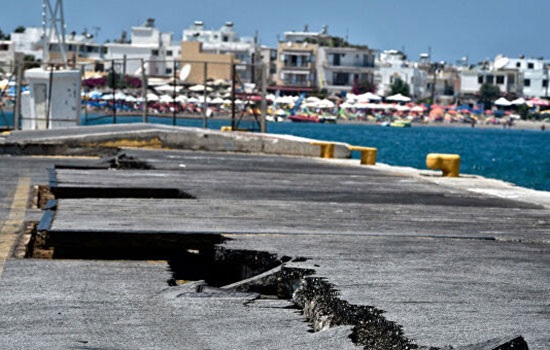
point(327, 148)
point(226, 128)
point(448, 163)
point(368, 154)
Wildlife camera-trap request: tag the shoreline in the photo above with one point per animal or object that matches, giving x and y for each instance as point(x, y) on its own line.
point(517, 125)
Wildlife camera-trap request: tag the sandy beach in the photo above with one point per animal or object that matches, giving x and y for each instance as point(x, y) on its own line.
point(517, 124)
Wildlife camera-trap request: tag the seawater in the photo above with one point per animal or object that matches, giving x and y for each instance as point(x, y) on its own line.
point(521, 157)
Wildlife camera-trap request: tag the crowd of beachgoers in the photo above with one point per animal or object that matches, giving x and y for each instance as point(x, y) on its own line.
point(365, 108)
point(352, 109)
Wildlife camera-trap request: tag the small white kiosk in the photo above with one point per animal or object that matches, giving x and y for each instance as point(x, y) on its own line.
point(53, 100)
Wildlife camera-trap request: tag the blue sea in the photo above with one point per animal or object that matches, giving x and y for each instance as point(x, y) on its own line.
point(521, 157)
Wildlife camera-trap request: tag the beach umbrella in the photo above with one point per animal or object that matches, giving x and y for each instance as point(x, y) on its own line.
point(94, 94)
point(519, 101)
point(503, 102)
point(346, 105)
point(217, 101)
point(199, 88)
point(108, 97)
point(152, 97)
point(538, 102)
point(313, 99)
point(166, 88)
point(182, 99)
point(401, 108)
point(120, 96)
point(398, 98)
point(166, 99)
point(368, 96)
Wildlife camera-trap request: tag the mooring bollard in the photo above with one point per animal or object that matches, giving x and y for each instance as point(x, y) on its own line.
point(449, 164)
point(327, 148)
point(368, 154)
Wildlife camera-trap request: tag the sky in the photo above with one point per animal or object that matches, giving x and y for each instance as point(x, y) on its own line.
point(449, 29)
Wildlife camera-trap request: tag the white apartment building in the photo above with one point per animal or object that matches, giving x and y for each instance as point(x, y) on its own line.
point(7, 57)
point(507, 77)
point(391, 65)
point(146, 43)
point(29, 42)
point(534, 73)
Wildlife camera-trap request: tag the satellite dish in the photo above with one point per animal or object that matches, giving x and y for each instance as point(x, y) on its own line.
point(501, 62)
point(185, 71)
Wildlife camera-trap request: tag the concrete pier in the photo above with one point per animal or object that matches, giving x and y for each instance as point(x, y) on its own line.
point(200, 239)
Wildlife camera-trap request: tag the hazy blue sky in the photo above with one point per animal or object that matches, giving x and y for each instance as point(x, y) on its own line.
point(478, 29)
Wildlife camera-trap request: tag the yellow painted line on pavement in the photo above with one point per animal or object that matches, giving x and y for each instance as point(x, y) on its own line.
point(11, 227)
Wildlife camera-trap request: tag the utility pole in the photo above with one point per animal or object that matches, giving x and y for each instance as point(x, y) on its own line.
point(19, 62)
point(53, 25)
point(264, 69)
point(144, 90)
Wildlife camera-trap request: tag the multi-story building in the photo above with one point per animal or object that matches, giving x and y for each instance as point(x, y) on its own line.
point(392, 64)
point(508, 79)
point(534, 73)
point(339, 68)
point(7, 57)
point(29, 42)
point(309, 61)
point(296, 66)
point(226, 41)
point(204, 65)
point(146, 43)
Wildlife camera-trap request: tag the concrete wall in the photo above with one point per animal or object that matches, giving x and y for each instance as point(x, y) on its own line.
point(218, 66)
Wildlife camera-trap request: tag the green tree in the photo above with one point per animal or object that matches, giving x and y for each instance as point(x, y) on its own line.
point(30, 62)
point(523, 111)
point(20, 29)
point(399, 86)
point(488, 94)
point(4, 36)
point(364, 86)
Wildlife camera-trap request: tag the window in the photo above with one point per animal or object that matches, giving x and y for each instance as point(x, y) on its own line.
point(490, 79)
point(480, 79)
point(527, 82)
point(511, 79)
point(500, 79)
point(518, 64)
point(340, 79)
point(530, 65)
point(336, 60)
point(169, 53)
point(154, 52)
point(545, 83)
